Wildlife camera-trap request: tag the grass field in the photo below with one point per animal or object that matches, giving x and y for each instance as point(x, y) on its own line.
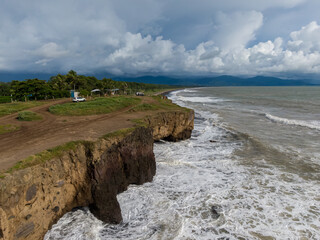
point(28, 116)
point(9, 108)
point(145, 107)
point(8, 128)
point(96, 106)
point(160, 103)
point(157, 90)
point(166, 104)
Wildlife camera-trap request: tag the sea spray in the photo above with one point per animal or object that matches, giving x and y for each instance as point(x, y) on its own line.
point(228, 166)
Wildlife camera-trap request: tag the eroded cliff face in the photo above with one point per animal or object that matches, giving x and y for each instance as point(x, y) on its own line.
point(171, 126)
point(92, 174)
point(33, 198)
point(131, 161)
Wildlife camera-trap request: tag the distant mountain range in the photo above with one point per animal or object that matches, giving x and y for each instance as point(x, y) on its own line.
point(224, 80)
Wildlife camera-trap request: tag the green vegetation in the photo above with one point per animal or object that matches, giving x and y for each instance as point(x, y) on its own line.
point(28, 116)
point(119, 133)
point(144, 107)
point(45, 156)
point(96, 106)
point(8, 128)
point(59, 86)
point(99, 105)
point(9, 108)
point(160, 103)
point(154, 90)
point(31, 89)
point(5, 99)
point(139, 122)
point(166, 104)
point(5, 89)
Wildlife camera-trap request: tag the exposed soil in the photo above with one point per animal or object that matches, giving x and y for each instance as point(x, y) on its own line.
point(37, 136)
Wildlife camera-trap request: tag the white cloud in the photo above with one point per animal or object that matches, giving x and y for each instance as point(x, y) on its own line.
point(153, 37)
point(306, 39)
point(237, 29)
point(299, 55)
point(146, 54)
point(50, 50)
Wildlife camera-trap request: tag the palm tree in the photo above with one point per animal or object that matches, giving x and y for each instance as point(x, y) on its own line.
point(72, 79)
point(124, 87)
point(58, 82)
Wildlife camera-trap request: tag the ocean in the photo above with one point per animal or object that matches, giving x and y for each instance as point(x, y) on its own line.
point(251, 170)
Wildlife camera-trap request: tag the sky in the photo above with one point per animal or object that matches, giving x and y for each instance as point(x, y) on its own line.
point(161, 37)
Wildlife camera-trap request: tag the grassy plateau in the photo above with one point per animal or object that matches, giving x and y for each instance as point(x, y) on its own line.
point(96, 106)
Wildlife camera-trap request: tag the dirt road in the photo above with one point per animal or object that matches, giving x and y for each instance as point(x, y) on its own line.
point(37, 136)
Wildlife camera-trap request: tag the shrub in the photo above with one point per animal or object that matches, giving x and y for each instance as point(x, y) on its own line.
point(28, 116)
point(5, 99)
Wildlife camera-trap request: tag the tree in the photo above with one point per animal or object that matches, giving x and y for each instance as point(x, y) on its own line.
point(58, 82)
point(37, 89)
point(19, 90)
point(107, 83)
point(123, 87)
point(4, 89)
point(72, 79)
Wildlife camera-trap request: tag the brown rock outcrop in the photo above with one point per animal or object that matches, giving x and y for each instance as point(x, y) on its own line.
point(171, 126)
point(91, 174)
point(129, 162)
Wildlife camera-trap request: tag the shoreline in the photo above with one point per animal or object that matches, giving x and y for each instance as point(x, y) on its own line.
point(85, 173)
point(166, 92)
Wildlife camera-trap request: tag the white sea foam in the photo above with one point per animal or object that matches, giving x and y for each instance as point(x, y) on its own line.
point(301, 123)
point(182, 100)
point(77, 225)
point(195, 175)
point(254, 201)
point(190, 90)
point(200, 99)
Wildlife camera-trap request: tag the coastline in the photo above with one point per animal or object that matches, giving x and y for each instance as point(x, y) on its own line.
point(164, 93)
point(34, 198)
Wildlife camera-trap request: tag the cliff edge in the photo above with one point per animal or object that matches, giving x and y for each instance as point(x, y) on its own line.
point(85, 174)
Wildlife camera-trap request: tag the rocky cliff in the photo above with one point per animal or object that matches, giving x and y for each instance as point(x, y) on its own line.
point(90, 174)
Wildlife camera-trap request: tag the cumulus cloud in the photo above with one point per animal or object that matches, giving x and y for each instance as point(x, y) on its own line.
point(236, 29)
point(146, 54)
point(306, 39)
point(299, 55)
point(153, 37)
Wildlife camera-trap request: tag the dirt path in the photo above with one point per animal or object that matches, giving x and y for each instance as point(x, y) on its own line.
point(37, 136)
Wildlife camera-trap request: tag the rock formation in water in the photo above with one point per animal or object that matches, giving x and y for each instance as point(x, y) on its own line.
point(91, 174)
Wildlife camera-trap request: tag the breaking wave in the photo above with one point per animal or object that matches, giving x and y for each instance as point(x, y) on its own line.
point(200, 99)
point(301, 123)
